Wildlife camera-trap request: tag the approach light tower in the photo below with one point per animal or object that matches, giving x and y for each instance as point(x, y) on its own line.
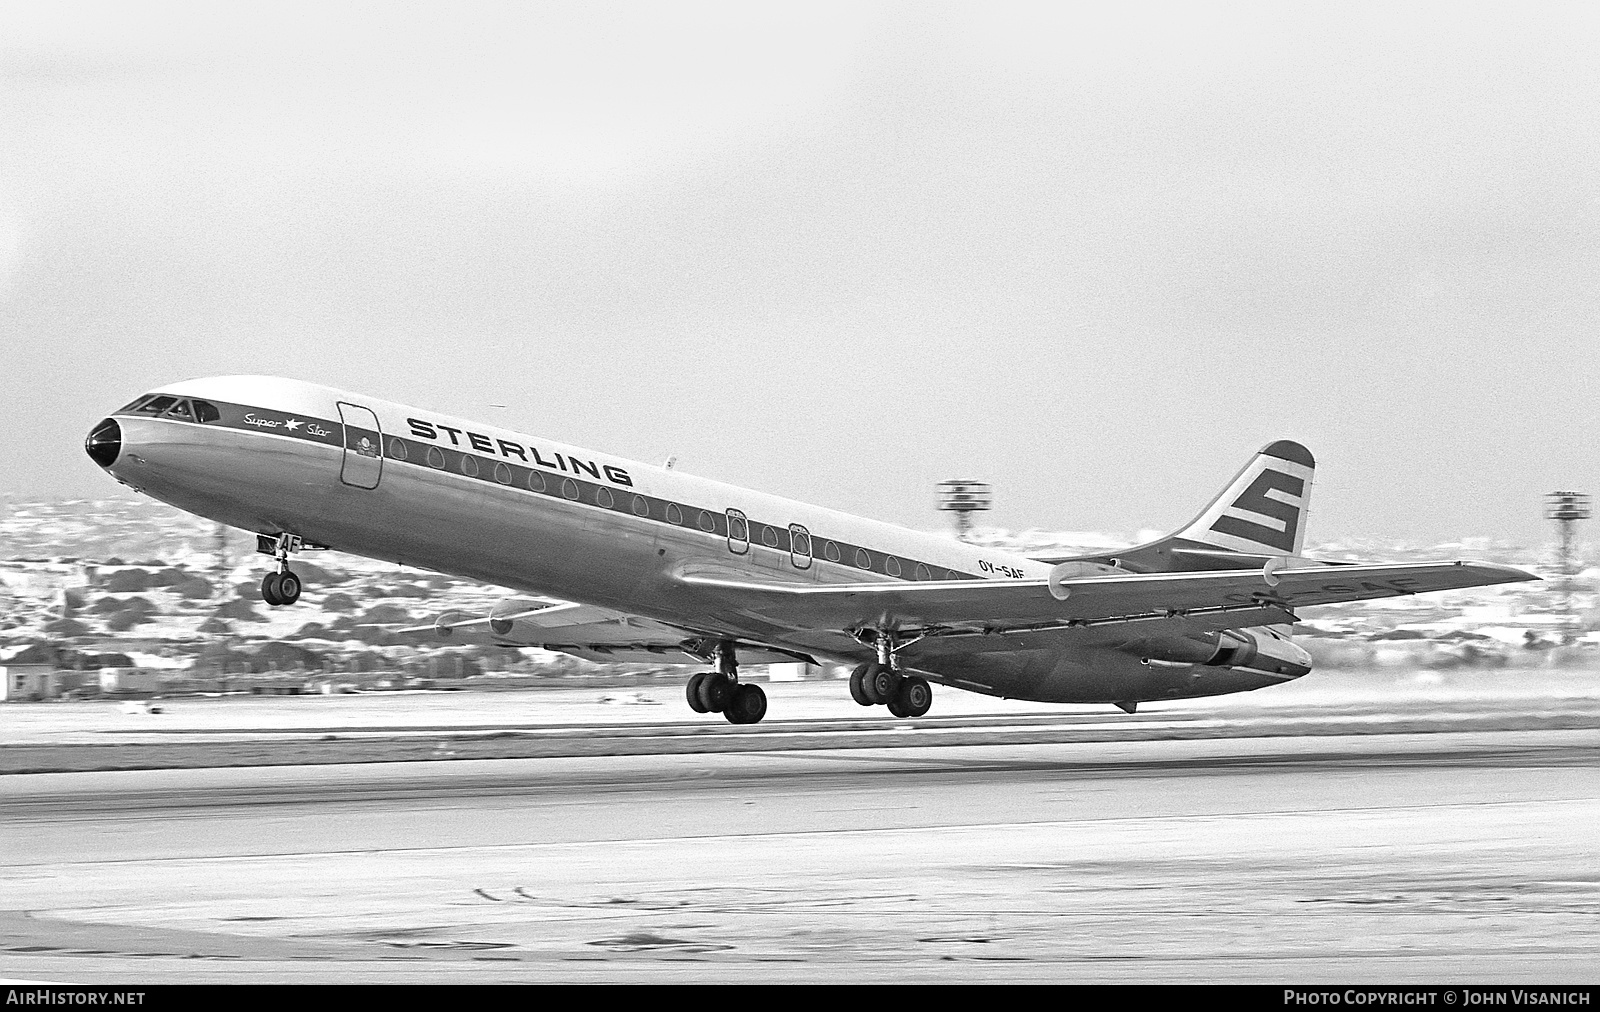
point(964, 498)
point(1566, 509)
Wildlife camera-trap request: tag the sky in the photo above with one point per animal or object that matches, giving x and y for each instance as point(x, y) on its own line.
point(1093, 254)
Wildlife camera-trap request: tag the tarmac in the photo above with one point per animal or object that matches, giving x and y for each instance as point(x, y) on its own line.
point(1414, 831)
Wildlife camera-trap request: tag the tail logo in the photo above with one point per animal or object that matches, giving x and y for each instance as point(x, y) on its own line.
point(1255, 500)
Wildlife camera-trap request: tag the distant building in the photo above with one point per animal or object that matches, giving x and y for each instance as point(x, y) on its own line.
point(129, 680)
point(27, 682)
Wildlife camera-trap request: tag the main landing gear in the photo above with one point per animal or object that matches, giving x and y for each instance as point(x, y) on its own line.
point(720, 691)
point(283, 586)
point(880, 682)
point(904, 695)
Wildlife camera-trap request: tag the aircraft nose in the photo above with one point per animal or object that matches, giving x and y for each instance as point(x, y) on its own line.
point(104, 442)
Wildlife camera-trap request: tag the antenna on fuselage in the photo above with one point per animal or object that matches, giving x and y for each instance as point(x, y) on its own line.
point(670, 461)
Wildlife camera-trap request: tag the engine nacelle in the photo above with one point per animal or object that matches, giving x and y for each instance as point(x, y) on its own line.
point(1259, 650)
point(1252, 649)
point(505, 613)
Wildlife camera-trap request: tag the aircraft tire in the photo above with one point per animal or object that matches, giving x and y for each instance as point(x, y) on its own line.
point(885, 683)
point(692, 691)
point(714, 692)
point(288, 588)
point(269, 589)
point(914, 698)
point(747, 704)
point(869, 690)
point(858, 691)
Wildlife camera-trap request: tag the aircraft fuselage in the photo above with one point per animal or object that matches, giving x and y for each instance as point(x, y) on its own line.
point(419, 488)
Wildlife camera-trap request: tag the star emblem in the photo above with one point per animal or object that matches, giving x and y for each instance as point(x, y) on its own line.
point(292, 424)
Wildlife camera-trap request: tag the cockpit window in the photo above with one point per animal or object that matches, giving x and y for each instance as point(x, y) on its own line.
point(180, 410)
point(133, 404)
point(205, 411)
point(156, 405)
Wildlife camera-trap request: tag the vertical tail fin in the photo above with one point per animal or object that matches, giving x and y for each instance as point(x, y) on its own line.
point(1263, 510)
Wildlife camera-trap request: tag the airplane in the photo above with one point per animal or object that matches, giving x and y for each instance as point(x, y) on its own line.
point(653, 564)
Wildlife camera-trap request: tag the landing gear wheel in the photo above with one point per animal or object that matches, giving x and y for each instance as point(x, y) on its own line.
point(746, 705)
point(269, 589)
point(714, 692)
point(858, 691)
point(913, 699)
point(288, 587)
point(869, 691)
point(692, 691)
point(885, 683)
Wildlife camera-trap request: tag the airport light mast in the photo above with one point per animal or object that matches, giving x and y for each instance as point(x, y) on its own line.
point(1566, 509)
point(964, 498)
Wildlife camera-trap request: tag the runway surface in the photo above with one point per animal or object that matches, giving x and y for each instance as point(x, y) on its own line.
point(400, 727)
point(1464, 856)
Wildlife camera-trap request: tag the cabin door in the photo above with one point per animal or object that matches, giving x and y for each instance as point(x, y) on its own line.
point(363, 446)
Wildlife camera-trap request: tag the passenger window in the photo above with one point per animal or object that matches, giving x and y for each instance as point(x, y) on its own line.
point(923, 573)
point(205, 411)
point(397, 449)
point(602, 497)
point(674, 514)
point(769, 537)
point(706, 523)
point(569, 488)
point(891, 565)
point(469, 465)
point(502, 474)
point(831, 551)
point(535, 481)
point(435, 457)
point(641, 506)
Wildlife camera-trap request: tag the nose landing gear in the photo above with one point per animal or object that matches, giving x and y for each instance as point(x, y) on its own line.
point(282, 587)
point(721, 691)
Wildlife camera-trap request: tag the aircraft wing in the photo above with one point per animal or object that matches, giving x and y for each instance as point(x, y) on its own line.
point(996, 606)
point(548, 614)
point(587, 631)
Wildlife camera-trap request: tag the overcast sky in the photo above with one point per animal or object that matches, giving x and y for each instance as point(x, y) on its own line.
point(1095, 255)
